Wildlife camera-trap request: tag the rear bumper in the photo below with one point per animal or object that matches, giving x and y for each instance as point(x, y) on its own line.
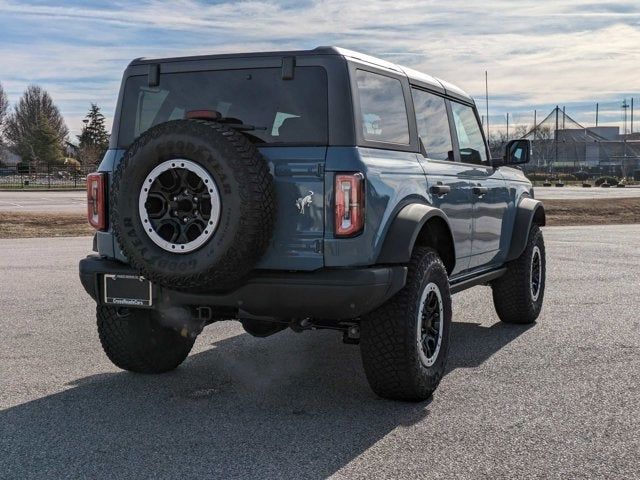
point(327, 293)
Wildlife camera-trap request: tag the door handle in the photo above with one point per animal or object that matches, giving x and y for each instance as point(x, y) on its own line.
point(440, 190)
point(479, 191)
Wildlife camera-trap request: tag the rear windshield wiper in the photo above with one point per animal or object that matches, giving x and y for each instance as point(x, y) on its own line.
point(218, 117)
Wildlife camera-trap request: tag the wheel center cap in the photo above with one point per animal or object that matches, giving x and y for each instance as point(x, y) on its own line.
point(183, 204)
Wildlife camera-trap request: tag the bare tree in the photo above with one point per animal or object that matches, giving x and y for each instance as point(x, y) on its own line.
point(4, 106)
point(543, 146)
point(520, 131)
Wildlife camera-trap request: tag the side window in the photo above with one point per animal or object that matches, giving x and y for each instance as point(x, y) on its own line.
point(472, 147)
point(384, 113)
point(433, 125)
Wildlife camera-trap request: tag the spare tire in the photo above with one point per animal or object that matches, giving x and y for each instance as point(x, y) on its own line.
point(192, 205)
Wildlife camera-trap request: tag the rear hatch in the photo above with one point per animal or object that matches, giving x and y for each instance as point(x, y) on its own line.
point(285, 117)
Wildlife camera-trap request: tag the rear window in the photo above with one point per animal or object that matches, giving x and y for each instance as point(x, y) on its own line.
point(282, 111)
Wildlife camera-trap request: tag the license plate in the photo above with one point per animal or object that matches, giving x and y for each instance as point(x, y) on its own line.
point(127, 290)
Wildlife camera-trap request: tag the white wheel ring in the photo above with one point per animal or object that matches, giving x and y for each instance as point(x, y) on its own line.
point(428, 362)
point(536, 254)
point(212, 190)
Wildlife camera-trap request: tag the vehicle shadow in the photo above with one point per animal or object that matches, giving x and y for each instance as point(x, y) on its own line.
point(289, 406)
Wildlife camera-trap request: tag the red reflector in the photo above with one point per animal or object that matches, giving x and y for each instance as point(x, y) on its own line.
point(203, 115)
point(96, 205)
point(349, 208)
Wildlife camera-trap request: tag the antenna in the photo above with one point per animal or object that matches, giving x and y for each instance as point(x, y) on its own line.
point(486, 97)
point(625, 106)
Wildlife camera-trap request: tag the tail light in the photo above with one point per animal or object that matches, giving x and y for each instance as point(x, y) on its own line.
point(349, 210)
point(96, 204)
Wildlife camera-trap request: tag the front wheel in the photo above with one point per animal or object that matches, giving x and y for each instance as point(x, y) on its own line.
point(519, 293)
point(405, 342)
point(135, 341)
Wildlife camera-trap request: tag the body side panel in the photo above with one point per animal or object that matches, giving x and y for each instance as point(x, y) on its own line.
point(393, 180)
point(457, 205)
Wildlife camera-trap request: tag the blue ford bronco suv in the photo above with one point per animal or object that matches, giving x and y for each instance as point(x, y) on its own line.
point(305, 189)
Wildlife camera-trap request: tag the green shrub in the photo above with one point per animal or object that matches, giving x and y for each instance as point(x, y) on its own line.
point(566, 177)
point(537, 177)
point(609, 180)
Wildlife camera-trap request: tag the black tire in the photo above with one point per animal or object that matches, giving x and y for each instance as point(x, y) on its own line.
point(513, 293)
point(389, 335)
point(247, 200)
point(135, 341)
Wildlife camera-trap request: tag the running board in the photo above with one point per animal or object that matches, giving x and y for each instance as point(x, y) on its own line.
point(482, 279)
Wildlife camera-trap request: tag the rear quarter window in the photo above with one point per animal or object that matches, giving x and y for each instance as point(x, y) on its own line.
point(383, 113)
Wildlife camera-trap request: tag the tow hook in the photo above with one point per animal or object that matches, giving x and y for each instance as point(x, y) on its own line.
point(351, 335)
point(204, 314)
point(299, 325)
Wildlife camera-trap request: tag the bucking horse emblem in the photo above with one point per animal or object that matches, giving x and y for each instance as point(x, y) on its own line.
point(304, 202)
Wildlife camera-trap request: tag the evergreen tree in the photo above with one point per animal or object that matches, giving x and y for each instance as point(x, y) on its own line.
point(35, 129)
point(44, 144)
point(94, 139)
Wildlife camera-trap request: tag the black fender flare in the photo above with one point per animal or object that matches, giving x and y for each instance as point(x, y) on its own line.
point(527, 211)
point(404, 231)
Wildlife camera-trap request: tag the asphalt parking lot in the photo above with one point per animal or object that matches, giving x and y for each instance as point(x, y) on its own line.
point(75, 201)
point(580, 193)
point(43, 201)
point(560, 399)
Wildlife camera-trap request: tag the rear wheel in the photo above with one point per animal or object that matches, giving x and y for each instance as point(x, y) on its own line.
point(405, 342)
point(135, 341)
point(519, 293)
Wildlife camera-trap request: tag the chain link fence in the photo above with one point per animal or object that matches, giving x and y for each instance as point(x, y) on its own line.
point(581, 140)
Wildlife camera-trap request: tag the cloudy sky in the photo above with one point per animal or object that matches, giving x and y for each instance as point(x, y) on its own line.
point(538, 53)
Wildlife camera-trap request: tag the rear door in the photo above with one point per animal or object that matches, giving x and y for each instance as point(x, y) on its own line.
point(488, 188)
point(285, 115)
point(448, 183)
point(299, 229)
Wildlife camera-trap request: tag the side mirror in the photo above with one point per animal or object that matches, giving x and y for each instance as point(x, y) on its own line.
point(516, 152)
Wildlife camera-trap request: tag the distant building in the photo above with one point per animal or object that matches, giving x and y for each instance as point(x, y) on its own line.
point(70, 150)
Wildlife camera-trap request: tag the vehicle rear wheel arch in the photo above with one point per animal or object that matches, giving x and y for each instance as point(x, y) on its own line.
point(416, 225)
point(436, 234)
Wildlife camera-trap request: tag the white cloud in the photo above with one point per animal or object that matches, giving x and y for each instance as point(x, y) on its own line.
point(536, 52)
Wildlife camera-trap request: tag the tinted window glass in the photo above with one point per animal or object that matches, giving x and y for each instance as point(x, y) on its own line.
point(472, 148)
point(433, 125)
point(384, 114)
point(282, 111)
